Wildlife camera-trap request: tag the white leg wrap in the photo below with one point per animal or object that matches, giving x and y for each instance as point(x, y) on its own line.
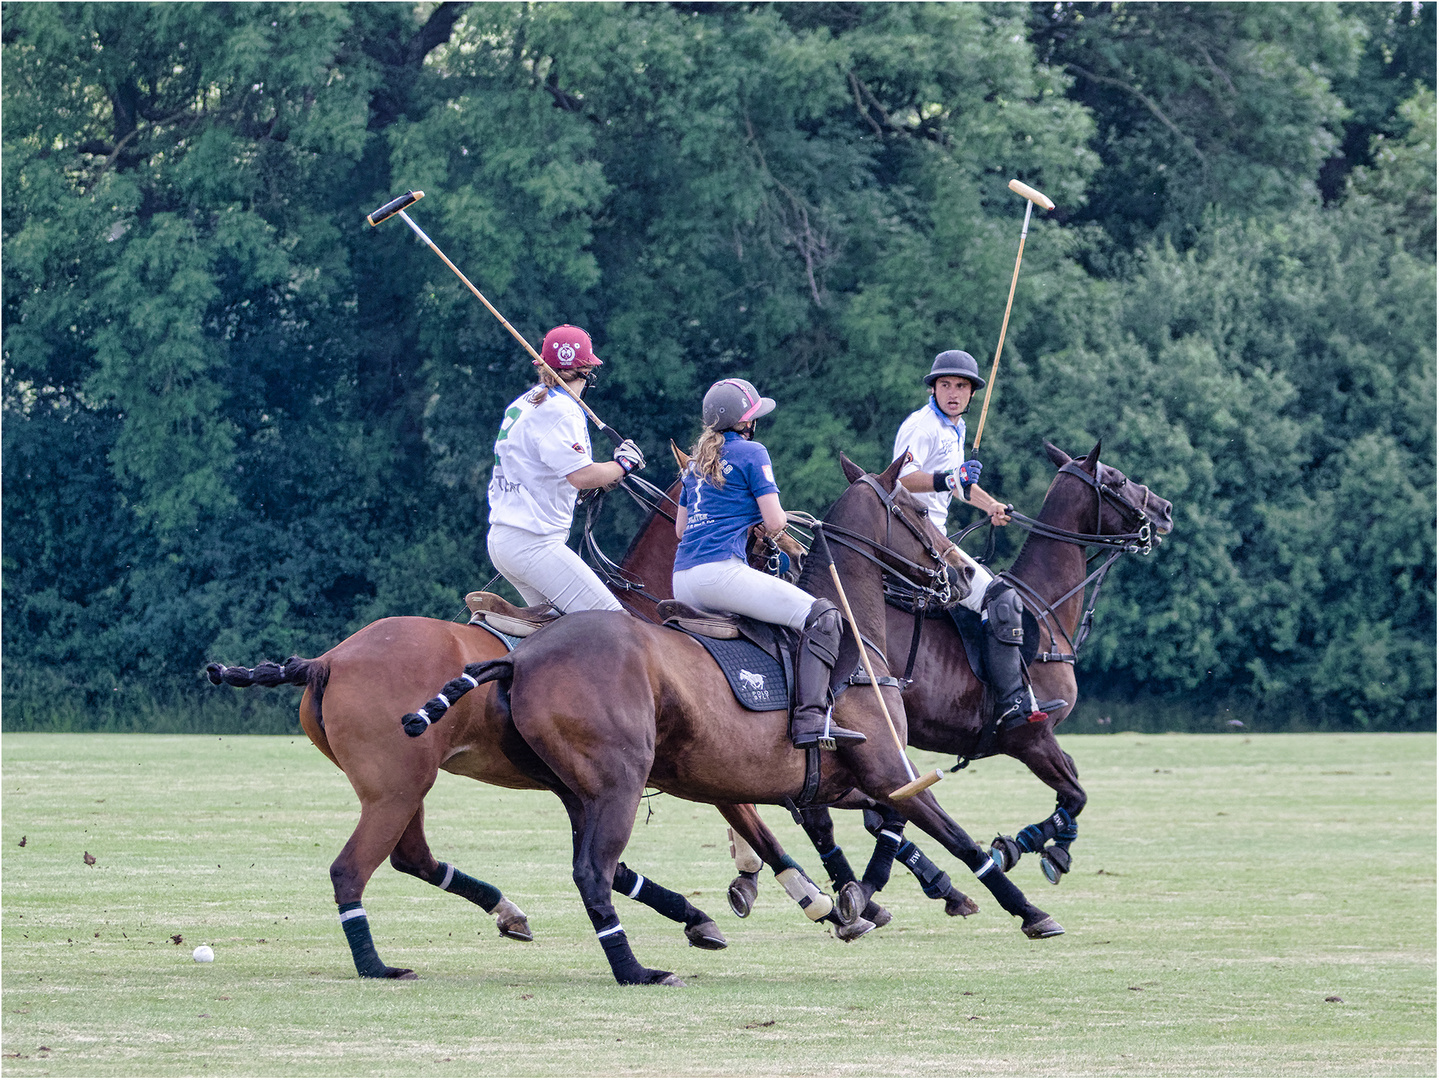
point(805, 893)
point(745, 859)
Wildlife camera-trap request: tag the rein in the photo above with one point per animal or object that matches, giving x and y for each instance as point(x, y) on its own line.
point(650, 498)
point(1140, 541)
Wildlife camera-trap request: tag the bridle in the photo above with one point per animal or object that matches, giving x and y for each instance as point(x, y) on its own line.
point(650, 498)
point(1138, 541)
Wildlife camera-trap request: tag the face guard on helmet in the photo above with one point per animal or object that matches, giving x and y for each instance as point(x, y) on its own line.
point(956, 363)
point(732, 402)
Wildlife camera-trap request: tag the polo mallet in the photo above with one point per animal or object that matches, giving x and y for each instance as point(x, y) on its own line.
point(547, 374)
point(916, 783)
point(1035, 198)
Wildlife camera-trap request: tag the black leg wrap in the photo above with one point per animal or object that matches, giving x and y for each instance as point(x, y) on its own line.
point(671, 905)
point(460, 883)
point(882, 861)
point(627, 970)
point(934, 881)
point(362, 945)
point(837, 866)
point(1003, 890)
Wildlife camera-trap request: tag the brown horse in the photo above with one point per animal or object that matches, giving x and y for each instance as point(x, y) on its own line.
point(352, 694)
point(652, 709)
point(1088, 504)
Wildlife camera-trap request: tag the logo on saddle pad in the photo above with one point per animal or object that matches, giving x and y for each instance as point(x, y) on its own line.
point(751, 680)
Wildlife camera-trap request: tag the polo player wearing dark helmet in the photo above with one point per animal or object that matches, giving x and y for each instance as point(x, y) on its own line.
point(940, 473)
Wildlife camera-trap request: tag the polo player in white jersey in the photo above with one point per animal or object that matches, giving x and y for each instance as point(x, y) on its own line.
point(938, 474)
point(542, 462)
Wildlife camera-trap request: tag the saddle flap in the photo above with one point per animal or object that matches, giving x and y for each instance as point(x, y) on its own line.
point(694, 621)
point(971, 632)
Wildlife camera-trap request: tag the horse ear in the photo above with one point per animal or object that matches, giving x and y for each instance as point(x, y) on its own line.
point(890, 476)
point(681, 458)
point(1091, 462)
point(852, 472)
point(1056, 455)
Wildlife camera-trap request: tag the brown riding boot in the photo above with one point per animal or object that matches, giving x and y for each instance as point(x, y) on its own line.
point(812, 724)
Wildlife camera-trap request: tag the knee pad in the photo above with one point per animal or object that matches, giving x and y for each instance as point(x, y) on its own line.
point(1004, 614)
point(823, 629)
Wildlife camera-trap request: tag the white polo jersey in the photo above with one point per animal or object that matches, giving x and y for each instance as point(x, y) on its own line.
point(937, 444)
point(537, 448)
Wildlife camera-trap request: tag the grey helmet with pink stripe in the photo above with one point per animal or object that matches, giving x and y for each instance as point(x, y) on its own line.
point(731, 402)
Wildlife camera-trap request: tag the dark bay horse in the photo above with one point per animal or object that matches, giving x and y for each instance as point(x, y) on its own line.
point(1088, 504)
point(352, 694)
point(650, 708)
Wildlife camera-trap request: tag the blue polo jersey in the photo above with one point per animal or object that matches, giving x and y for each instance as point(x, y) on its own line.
point(720, 518)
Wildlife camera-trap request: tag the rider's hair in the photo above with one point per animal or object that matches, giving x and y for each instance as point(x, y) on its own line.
point(707, 457)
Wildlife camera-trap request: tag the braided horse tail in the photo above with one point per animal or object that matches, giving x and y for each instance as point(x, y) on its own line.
point(295, 671)
point(475, 675)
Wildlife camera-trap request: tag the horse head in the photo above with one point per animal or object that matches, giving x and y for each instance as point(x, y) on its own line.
point(918, 552)
point(1104, 501)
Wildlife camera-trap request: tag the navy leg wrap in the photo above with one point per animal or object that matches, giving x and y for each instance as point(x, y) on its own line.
point(1060, 825)
point(356, 925)
point(638, 887)
point(1003, 890)
point(882, 861)
point(837, 866)
point(627, 970)
point(934, 881)
point(461, 884)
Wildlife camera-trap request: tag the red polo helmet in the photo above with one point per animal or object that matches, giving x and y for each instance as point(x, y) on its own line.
point(568, 347)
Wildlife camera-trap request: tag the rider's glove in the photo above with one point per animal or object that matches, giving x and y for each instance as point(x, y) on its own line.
point(963, 477)
point(629, 456)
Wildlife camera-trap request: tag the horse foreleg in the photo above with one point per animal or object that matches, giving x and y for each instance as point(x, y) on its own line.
point(926, 812)
point(412, 856)
point(886, 825)
point(1044, 757)
point(749, 828)
point(380, 828)
point(744, 889)
point(700, 929)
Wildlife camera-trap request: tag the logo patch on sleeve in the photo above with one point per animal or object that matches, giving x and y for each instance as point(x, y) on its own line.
point(577, 448)
point(768, 472)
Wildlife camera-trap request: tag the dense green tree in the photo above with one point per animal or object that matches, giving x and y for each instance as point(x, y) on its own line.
point(240, 422)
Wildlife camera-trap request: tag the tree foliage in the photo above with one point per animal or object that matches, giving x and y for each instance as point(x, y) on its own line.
point(240, 422)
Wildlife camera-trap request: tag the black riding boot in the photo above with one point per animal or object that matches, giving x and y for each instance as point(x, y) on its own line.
point(818, 650)
point(1004, 622)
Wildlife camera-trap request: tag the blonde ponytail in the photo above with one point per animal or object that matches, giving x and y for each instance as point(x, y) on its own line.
point(707, 457)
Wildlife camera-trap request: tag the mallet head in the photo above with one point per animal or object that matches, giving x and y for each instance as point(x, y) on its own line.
point(394, 206)
point(1041, 200)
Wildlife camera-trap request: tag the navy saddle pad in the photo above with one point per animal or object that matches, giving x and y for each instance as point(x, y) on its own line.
point(756, 678)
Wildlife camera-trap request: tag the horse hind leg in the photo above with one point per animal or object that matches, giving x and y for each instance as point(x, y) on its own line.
point(412, 856)
point(700, 930)
point(379, 830)
point(887, 827)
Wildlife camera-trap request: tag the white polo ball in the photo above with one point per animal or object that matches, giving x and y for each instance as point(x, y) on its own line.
point(203, 954)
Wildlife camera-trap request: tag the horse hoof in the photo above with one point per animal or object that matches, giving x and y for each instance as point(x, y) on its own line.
point(851, 902)
point(512, 922)
point(706, 935)
point(854, 930)
point(1005, 852)
point(1055, 862)
point(877, 915)
point(1043, 928)
point(394, 973)
point(1051, 872)
point(742, 894)
point(956, 903)
point(668, 978)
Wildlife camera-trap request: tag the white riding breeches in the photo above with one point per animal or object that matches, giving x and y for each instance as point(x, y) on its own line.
point(544, 571)
point(732, 585)
point(978, 585)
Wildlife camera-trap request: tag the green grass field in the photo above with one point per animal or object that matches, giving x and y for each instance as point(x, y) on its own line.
point(1239, 905)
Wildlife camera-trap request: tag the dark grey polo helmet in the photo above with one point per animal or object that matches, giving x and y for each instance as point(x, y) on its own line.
point(731, 402)
point(955, 362)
